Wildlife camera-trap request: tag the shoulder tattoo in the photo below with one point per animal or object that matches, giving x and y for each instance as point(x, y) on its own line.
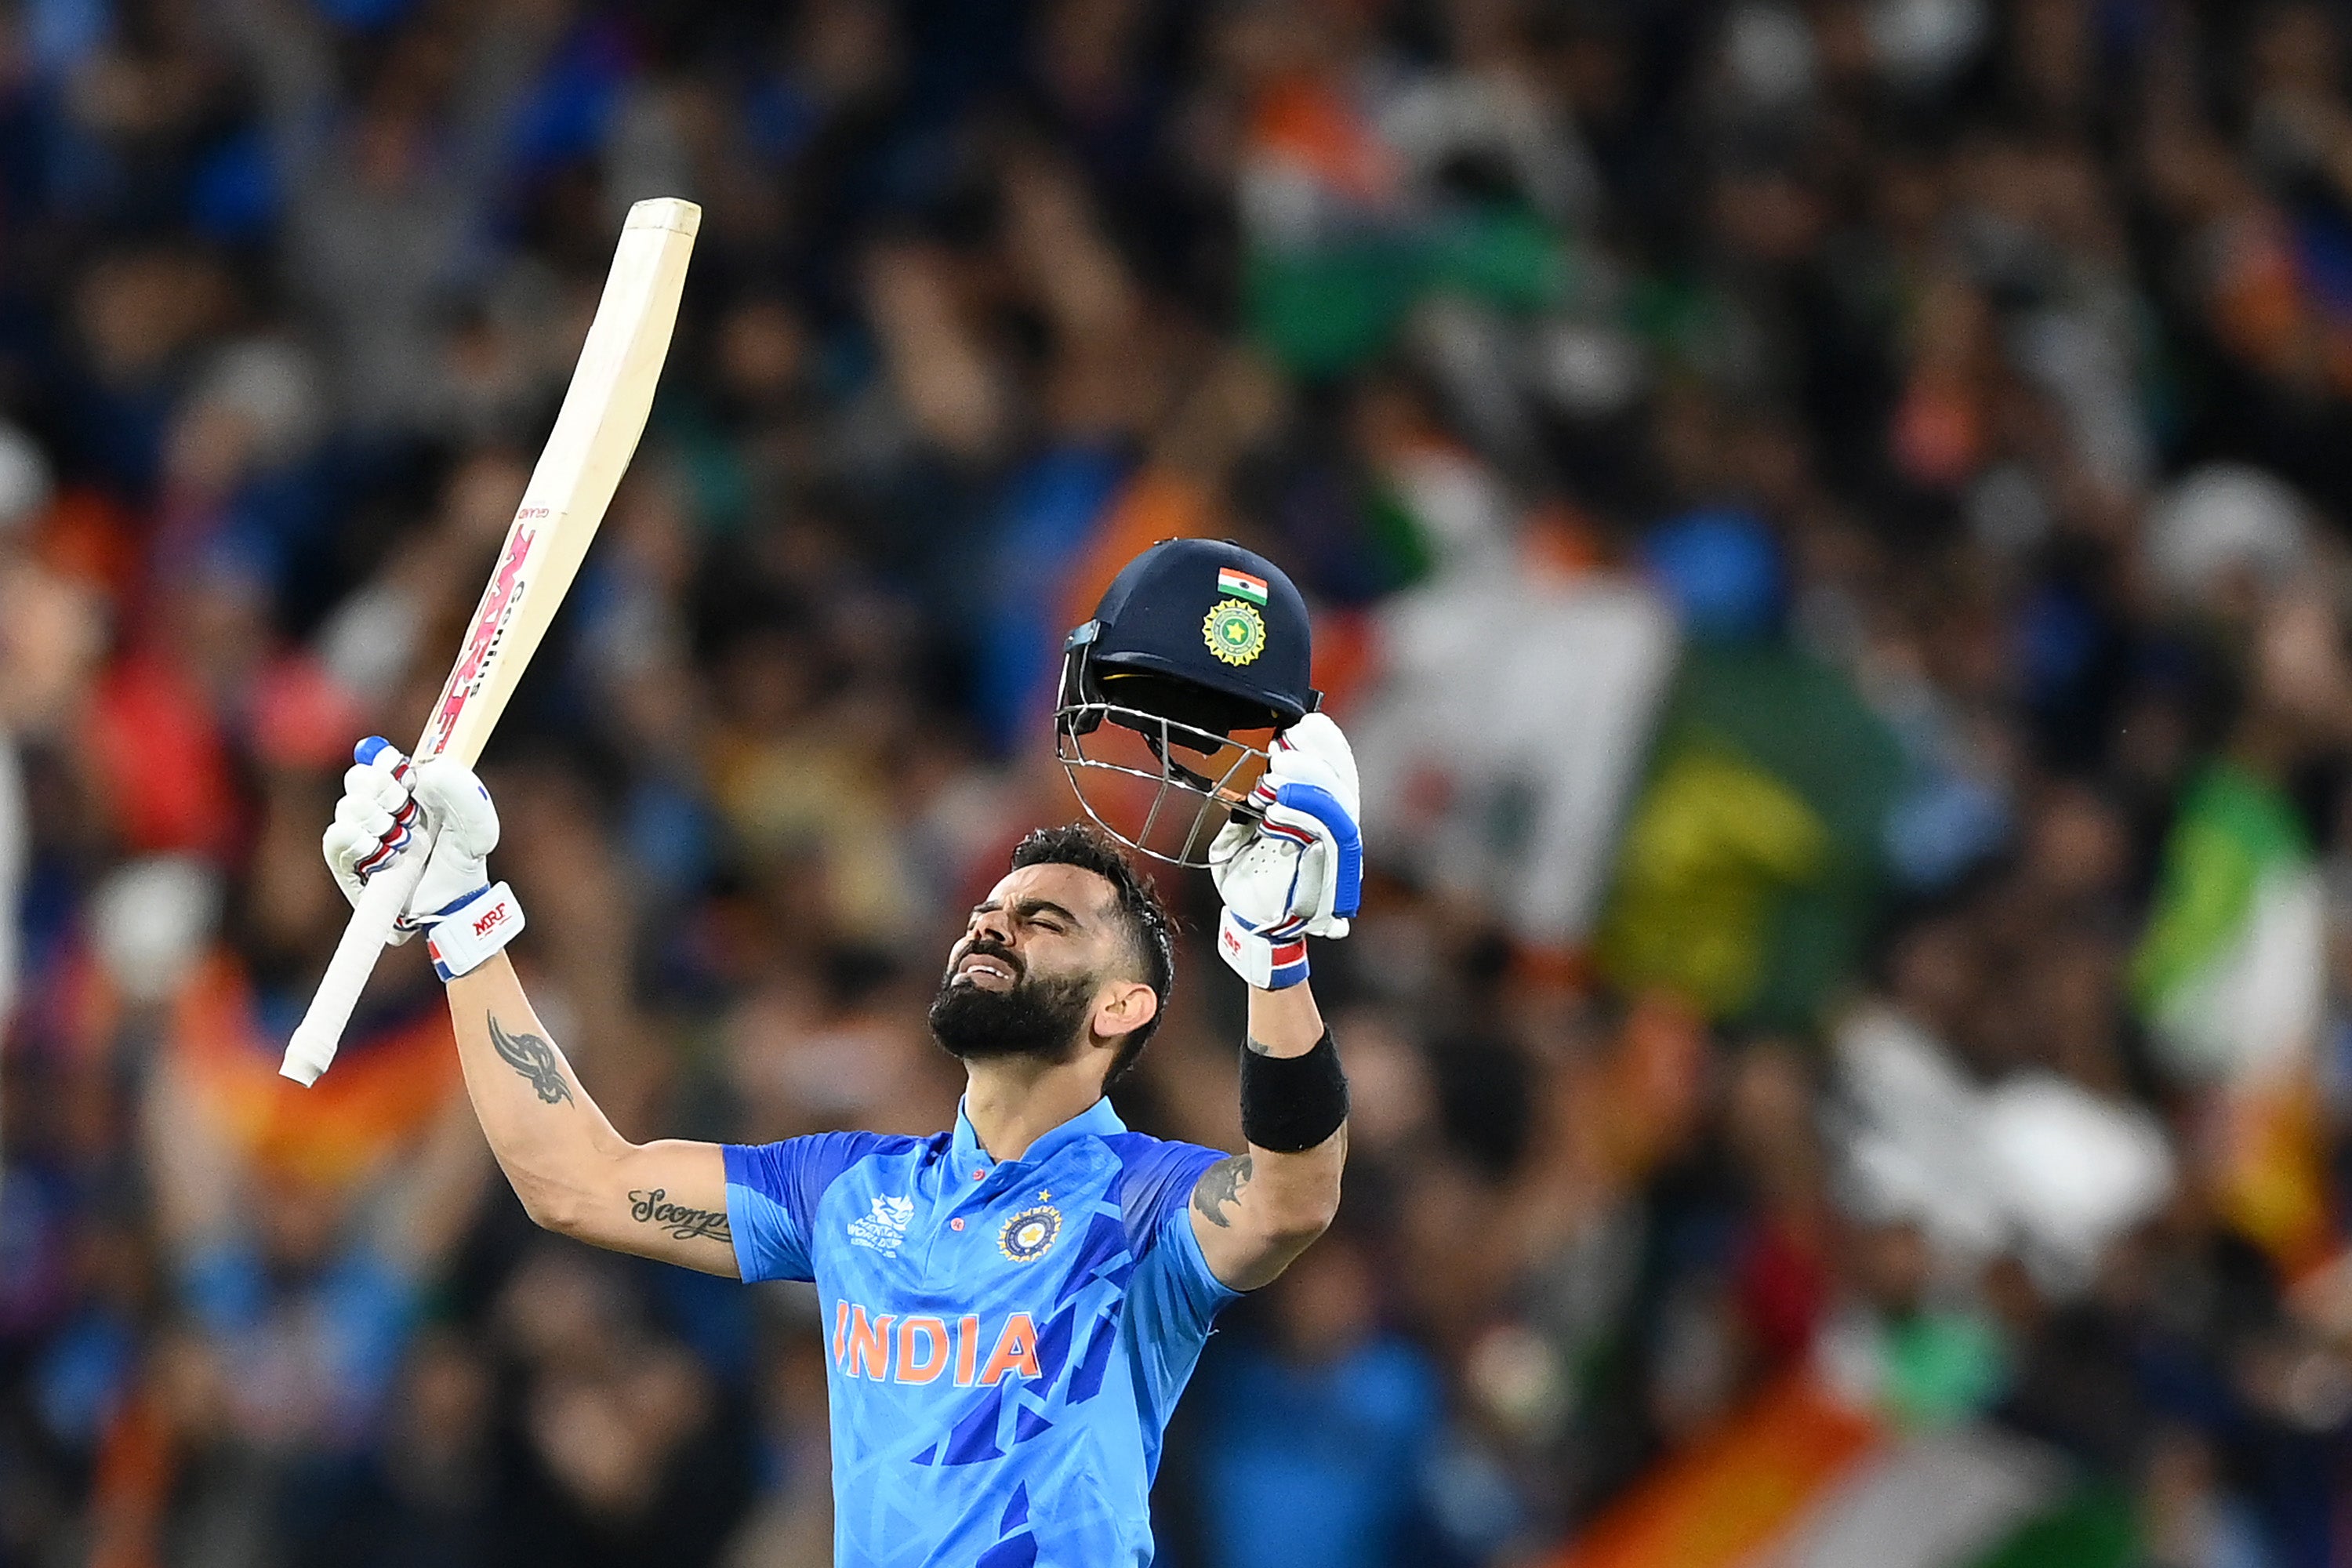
point(1221, 1186)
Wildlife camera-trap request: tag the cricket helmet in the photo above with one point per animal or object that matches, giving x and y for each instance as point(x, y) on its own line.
point(1195, 659)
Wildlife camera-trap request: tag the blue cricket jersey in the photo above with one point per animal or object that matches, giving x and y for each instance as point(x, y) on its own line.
point(1006, 1339)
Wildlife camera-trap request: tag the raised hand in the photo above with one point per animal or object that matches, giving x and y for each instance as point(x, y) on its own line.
point(1296, 870)
point(387, 803)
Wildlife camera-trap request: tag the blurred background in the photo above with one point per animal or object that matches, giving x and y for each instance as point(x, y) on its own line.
point(1827, 522)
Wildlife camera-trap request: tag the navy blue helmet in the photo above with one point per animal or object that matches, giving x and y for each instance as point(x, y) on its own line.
point(1197, 654)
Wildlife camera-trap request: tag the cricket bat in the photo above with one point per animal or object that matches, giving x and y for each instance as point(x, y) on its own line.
point(595, 432)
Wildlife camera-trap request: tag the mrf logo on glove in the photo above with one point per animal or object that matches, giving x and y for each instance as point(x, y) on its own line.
point(466, 936)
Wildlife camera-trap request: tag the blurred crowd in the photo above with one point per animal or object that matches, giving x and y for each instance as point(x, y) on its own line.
point(1827, 520)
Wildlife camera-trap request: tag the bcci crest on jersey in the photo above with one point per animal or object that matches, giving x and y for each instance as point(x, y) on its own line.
point(1029, 1234)
point(885, 1228)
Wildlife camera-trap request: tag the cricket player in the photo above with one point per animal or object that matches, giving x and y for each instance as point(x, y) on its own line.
point(1013, 1305)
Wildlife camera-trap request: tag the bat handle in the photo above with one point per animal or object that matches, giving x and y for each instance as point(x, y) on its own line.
point(321, 1029)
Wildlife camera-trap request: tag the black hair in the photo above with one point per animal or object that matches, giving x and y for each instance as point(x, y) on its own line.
point(1151, 932)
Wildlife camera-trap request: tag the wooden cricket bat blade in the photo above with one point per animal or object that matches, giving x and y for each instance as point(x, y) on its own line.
point(596, 431)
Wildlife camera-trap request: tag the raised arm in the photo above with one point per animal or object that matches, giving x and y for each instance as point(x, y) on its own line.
point(1256, 1211)
point(574, 1173)
point(1297, 872)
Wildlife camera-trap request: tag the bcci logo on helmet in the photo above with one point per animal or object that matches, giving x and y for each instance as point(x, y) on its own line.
point(1235, 631)
point(1029, 1234)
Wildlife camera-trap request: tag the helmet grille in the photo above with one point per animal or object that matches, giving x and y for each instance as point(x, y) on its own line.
point(1122, 765)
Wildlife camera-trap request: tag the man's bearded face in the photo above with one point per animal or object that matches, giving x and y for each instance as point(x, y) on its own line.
point(990, 1005)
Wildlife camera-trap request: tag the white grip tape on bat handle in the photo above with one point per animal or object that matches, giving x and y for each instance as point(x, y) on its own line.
point(380, 901)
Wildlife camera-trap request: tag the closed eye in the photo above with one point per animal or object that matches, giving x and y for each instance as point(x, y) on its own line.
point(1044, 912)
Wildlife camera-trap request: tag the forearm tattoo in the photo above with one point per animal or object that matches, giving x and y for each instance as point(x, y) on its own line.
point(534, 1059)
point(682, 1223)
point(1219, 1184)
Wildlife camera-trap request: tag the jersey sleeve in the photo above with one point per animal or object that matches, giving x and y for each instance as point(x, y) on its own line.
point(772, 1191)
point(1174, 1292)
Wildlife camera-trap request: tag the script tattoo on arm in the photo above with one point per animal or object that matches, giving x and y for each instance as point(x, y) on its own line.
point(683, 1223)
point(534, 1059)
point(1219, 1184)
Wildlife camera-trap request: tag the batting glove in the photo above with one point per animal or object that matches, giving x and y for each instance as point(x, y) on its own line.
point(1298, 871)
point(387, 804)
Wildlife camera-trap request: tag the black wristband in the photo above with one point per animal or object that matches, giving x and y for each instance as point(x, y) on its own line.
point(1290, 1104)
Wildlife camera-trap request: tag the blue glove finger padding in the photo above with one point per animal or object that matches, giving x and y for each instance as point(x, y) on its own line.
point(1347, 840)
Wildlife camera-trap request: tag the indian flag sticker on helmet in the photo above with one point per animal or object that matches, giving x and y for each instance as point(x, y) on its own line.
point(1241, 585)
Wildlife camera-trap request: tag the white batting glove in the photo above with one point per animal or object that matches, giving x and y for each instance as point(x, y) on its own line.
point(386, 804)
point(1297, 871)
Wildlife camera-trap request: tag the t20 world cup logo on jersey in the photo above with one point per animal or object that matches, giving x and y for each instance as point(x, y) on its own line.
point(885, 1228)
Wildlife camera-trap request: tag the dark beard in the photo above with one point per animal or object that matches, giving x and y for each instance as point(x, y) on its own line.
point(1036, 1018)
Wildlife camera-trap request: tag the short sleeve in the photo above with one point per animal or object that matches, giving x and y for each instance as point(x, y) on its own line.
point(1191, 1294)
point(1173, 1285)
point(772, 1191)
